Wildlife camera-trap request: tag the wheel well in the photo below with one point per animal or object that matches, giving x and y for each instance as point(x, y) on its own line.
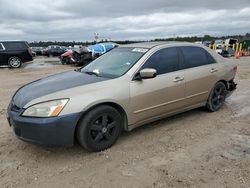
point(225, 83)
point(14, 56)
point(114, 105)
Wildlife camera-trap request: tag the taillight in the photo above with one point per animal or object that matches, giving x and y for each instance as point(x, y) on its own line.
point(235, 69)
point(30, 51)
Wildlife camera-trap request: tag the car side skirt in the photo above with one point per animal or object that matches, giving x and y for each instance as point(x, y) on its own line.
point(162, 116)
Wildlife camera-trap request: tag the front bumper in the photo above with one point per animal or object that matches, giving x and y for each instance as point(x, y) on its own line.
point(56, 131)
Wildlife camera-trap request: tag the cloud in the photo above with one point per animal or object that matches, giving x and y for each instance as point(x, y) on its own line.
point(36, 20)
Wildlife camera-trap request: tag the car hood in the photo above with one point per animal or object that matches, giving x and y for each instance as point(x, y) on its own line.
point(53, 84)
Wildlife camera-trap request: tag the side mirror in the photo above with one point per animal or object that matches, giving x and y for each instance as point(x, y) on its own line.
point(146, 74)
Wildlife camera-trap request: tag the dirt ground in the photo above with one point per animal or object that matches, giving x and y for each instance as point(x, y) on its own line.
point(193, 149)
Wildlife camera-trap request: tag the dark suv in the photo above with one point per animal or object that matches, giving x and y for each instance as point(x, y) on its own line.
point(54, 51)
point(14, 53)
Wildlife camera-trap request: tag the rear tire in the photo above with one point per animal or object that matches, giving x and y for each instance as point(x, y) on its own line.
point(217, 97)
point(14, 62)
point(64, 60)
point(100, 128)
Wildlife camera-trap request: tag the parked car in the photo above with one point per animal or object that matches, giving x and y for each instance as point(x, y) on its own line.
point(82, 56)
point(65, 58)
point(85, 55)
point(37, 50)
point(33, 53)
point(229, 52)
point(121, 90)
point(207, 43)
point(219, 43)
point(54, 51)
point(14, 53)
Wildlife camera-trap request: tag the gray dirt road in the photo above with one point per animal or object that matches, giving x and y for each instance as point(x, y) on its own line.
point(193, 149)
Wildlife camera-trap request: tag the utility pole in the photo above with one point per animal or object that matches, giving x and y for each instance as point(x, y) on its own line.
point(96, 37)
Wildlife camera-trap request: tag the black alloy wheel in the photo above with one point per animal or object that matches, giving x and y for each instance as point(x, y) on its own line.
point(217, 97)
point(100, 128)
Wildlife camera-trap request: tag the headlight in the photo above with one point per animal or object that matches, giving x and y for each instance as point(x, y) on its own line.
point(46, 109)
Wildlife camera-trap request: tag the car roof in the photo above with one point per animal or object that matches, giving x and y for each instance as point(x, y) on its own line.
point(13, 41)
point(160, 43)
point(151, 45)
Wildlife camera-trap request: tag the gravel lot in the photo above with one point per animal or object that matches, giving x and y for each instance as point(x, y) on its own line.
point(193, 149)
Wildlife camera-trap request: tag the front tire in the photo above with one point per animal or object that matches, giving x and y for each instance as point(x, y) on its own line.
point(100, 128)
point(217, 97)
point(64, 60)
point(14, 62)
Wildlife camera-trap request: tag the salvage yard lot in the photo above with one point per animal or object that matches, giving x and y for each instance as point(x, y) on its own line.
point(193, 149)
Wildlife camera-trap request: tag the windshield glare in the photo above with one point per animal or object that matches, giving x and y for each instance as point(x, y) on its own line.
point(116, 62)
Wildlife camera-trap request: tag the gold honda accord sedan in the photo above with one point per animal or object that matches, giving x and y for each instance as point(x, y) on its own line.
point(125, 88)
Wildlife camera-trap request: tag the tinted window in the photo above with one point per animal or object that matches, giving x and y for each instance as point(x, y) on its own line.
point(211, 60)
point(164, 61)
point(195, 56)
point(15, 45)
point(1, 47)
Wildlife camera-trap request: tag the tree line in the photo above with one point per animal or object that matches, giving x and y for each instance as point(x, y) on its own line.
point(187, 39)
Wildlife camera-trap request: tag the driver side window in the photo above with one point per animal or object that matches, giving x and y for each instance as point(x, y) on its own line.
point(164, 61)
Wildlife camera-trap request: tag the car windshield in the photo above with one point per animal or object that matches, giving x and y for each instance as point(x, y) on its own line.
point(115, 63)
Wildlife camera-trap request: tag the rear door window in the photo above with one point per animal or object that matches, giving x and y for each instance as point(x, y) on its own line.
point(211, 60)
point(195, 56)
point(164, 61)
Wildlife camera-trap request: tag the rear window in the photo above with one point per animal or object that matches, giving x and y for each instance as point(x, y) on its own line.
point(15, 45)
point(195, 57)
point(211, 60)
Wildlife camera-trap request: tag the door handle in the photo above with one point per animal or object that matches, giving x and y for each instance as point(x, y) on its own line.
point(213, 70)
point(178, 79)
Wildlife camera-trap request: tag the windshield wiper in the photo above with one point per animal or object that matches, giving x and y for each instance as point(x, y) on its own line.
point(91, 73)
